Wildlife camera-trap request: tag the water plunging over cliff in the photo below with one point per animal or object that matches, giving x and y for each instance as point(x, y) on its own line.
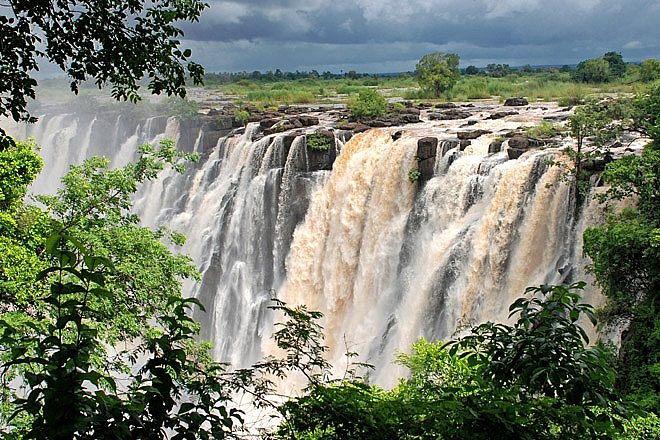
point(386, 260)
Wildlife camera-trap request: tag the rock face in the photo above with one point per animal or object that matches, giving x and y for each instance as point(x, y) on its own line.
point(471, 134)
point(516, 102)
point(427, 148)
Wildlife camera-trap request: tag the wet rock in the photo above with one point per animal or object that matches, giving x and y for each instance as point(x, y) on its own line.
point(445, 105)
point(308, 121)
point(359, 128)
point(268, 122)
point(408, 118)
point(495, 146)
point(555, 118)
point(471, 134)
point(397, 135)
point(449, 115)
point(427, 148)
point(469, 123)
point(516, 102)
point(519, 141)
point(426, 152)
point(462, 145)
point(322, 159)
point(500, 115)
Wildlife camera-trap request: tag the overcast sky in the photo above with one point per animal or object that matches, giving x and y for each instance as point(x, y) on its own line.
point(391, 35)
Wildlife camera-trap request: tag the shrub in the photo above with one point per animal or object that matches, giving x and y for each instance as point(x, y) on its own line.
point(369, 103)
point(318, 142)
point(241, 116)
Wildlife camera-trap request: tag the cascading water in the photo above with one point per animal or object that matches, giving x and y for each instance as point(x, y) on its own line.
point(386, 260)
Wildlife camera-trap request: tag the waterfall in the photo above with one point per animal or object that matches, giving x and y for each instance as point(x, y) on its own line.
point(386, 260)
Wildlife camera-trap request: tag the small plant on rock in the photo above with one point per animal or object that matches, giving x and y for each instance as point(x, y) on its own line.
point(414, 174)
point(318, 142)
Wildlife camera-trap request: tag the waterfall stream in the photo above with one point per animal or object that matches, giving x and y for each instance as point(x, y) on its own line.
point(387, 261)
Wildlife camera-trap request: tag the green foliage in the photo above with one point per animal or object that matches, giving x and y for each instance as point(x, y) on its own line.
point(95, 337)
point(369, 103)
point(116, 45)
point(545, 130)
point(626, 262)
point(319, 142)
point(438, 72)
point(242, 116)
point(647, 113)
point(596, 70)
point(615, 61)
point(533, 380)
point(414, 175)
point(600, 122)
point(19, 165)
point(649, 70)
point(182, 108)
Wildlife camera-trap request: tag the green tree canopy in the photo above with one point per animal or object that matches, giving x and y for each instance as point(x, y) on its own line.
point(114, 42)
point(595, 70)
point(438, 72)
point(617, 66)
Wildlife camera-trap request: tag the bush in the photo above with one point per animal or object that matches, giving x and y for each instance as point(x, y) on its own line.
point(318, 142)
point(369, 103)
point(241, 116)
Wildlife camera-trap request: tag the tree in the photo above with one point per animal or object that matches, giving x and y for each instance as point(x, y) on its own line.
point(617, 66)
point(93, 320)
point(438, 72)
point(626, 257)
point(649, 70)
point(112, 42)
point(596, 70)
point(471, 70)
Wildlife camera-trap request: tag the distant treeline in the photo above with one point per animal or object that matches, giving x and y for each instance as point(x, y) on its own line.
point(603, 69)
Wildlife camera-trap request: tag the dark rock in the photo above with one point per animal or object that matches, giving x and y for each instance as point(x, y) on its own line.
point(308, 121)
point(500, 115)
point(379, 123)
point(449, 115)
point(410, 118)
point(359, 128)
point(471, 134)
point(467, 105)
point(424, 105)
point(322, 159)
point(469, 123)
point(593, 165)
point(555, 118)
point(268, 122)
point(397, 135)
point(427, 148)
point(447, 145)
point(495, 146)
point(515, 153)
point(426, 151)
point(409, 111)
point(519, 141)
point(445, 105)
point(462, 145)
point(516, 102)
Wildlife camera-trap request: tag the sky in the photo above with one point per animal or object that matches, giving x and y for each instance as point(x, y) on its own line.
point(391, 35)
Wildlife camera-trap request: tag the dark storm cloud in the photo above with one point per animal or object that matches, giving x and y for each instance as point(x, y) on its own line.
point(290, 34)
